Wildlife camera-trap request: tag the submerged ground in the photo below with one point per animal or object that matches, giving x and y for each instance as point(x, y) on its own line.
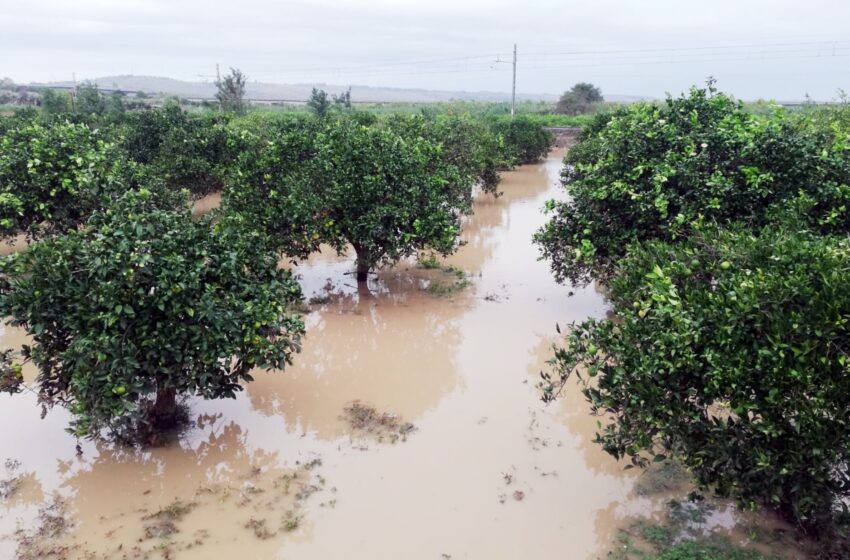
point(319, 461)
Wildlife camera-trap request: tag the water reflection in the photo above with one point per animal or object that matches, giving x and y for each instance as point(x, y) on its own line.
point(397, 356)
point(224, 478)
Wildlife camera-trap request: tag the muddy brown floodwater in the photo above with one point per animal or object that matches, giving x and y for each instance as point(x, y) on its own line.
point(283, 471)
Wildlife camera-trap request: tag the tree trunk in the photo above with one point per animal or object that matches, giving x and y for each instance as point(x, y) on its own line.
point(163, 413)
point(363, 264)
point(363, 291)
point(362, 271)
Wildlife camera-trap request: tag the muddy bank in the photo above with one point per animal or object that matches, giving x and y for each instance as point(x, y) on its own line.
point(414, 406)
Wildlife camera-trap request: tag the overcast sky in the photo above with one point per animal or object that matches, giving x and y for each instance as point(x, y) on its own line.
point(781, 49)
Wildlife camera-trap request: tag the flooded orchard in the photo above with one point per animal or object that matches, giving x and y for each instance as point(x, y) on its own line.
point(409, 427)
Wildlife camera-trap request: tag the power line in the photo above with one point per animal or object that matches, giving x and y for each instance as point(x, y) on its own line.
point(689, 60)
point(700, 48)
point(357, 67)
point(539, 60)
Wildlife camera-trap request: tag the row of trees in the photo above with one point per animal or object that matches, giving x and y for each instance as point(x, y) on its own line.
point(132, 303)
point(722, 240)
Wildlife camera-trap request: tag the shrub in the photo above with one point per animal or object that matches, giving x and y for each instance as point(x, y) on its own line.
point(525, 141)
point(269, 189)
point(142, 305)
point(55, 102)
point(729, 351)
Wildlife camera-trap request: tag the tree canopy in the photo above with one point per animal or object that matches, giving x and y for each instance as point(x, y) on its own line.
point(143, 305)
point(722, 238)
point(231, 92)
point(579, 100)
point(319, 102)
point(53, 176)
point(653, 171)
point(386, 195)
point(729, 353)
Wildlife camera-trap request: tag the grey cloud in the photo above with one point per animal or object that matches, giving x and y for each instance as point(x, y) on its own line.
point(301, 42)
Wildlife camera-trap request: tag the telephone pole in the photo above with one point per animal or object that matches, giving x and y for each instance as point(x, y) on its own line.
point(513, 89)
point(74, 93)
point(218, 85)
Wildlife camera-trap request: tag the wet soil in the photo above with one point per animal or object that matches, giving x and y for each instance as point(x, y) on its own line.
point(448, 453)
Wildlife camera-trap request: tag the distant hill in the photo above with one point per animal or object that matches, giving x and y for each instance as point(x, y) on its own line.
point(261, 91)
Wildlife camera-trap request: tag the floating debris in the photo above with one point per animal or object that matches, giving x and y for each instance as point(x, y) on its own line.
point(163, 523)
point(380, 425)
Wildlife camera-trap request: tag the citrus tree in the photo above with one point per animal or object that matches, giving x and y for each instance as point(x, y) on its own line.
point(386, 196)
point(52, 176)
point(722, 238)
point(143, 305)
point(730, 351)
point(653, 171)
point(269, 190)
point(469, 145)
point(183, 150)
point(524, 140)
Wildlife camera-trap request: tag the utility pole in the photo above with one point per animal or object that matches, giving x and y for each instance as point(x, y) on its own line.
point(74, 93)
point(218, 85)
point(513, 89)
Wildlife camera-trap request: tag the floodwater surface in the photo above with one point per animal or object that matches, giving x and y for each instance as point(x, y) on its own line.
point(290, 470)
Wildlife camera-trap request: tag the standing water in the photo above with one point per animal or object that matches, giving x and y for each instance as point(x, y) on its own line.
point(320, 462)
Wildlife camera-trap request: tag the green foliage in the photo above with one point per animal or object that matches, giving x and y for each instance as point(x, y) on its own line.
point(653, 172)
point(115, 104)
point(579, 100)
point(186, 151)
point(319, 102)
point(681, 534)
point(525, 141)
point(89, 101)
point(722, 236)
point(52, 176)
point(833, 120)
point(11, 373)
point(559, 120)
point(55, 102)
point(343, 100)
point(710, 549)
point(21, 117)
point(730, 352)
point(386, 195)
point(470, 146)
point(270, 190)
point(144, 304)
point(231, 92)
